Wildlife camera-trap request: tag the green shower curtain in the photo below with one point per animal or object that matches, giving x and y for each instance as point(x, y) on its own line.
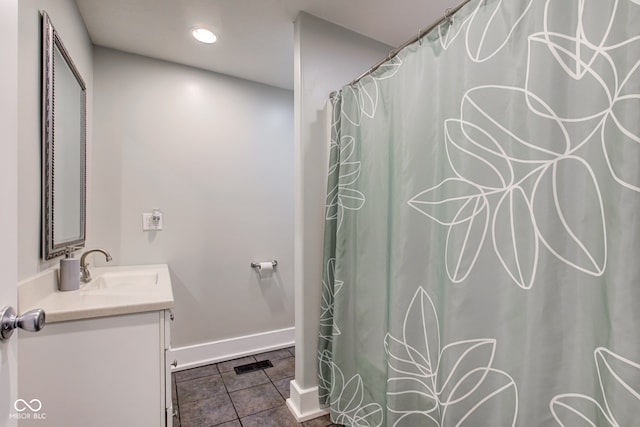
point(482, 250)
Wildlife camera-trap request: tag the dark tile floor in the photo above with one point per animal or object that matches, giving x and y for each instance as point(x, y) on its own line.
point(214, 395)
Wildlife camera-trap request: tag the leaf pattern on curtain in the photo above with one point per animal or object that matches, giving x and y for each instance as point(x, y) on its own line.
point(434, 385)
point(619, 380)
point(366, 93)
point(341, 196)
point(479, 47)
point(330, 289)
point(346, 397)
point(513, 166)
point(483, 153)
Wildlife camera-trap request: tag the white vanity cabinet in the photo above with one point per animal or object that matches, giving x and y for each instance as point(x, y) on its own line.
point(103, 371)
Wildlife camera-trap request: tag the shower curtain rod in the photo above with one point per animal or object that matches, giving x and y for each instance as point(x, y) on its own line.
point(447, 15)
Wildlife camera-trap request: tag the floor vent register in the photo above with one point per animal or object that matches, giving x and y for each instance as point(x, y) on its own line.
point(252, 367)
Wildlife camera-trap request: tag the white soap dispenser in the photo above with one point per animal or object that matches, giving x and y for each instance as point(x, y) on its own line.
point(69, 271)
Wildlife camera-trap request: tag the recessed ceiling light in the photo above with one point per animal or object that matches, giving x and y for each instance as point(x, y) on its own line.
point(203, 35)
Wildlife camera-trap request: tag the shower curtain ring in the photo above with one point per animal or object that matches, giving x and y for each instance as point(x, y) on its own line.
point(447, 15)
point(420, 36)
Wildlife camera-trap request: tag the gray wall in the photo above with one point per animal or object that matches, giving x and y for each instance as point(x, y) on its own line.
point(68, 23)
point(215, 154)
point(327, 57)
point(179, 139)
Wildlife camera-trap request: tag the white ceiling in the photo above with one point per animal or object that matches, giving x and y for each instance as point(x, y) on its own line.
point(255, 37)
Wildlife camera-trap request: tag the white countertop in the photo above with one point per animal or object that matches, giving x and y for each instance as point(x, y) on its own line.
point(41, 291)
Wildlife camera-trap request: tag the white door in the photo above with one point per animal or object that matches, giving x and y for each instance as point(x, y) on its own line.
point(8, 202)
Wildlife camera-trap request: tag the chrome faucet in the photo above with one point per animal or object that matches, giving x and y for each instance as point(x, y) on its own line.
point(84, 265)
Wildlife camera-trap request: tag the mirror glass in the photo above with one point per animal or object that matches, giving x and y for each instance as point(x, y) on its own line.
point(63, 147)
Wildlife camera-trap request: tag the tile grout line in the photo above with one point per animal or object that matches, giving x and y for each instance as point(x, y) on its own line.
point(229, 395)
point(226, 389)
point(276, 387)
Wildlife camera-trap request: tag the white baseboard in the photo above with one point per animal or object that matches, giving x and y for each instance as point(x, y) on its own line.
point(220, 351)
point(304, 404)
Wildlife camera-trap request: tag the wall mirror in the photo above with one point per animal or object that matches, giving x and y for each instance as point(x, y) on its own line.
point(64, 106)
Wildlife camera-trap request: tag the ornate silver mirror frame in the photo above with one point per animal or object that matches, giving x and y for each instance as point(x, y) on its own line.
point(64, 107)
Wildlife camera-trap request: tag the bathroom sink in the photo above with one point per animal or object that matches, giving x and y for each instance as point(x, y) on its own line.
point(122, 279)
point(114, 290)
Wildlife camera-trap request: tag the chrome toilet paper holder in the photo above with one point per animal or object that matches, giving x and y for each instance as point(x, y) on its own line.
point(256, 265)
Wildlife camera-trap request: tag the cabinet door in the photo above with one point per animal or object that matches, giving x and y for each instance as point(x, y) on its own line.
point(101, 372)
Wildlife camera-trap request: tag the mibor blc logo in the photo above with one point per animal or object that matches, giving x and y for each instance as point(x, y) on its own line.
point(28, 410)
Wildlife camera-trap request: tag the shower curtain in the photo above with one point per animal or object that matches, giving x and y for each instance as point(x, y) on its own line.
point(482, 250)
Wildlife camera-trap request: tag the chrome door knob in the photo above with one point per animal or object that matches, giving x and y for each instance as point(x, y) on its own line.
point(32, 321)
